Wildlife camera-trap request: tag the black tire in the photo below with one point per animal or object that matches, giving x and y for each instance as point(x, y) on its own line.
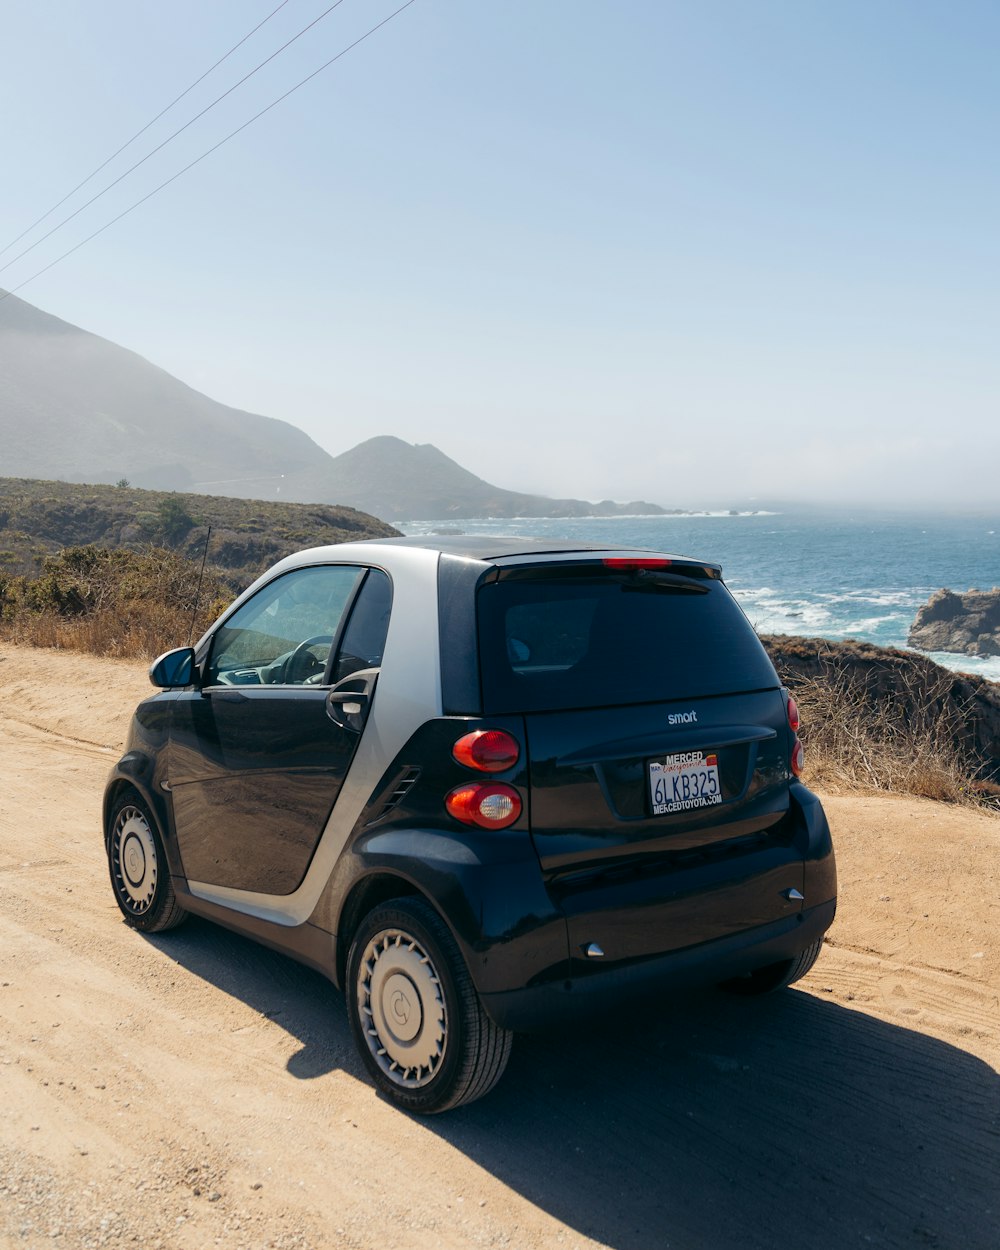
point(140, 877)
point(415, 1014)
point(777, 976)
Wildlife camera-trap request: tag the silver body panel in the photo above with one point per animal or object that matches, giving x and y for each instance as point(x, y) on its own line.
point(408, 693)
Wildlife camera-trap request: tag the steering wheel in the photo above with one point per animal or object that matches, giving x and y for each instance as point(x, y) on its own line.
point(303, 665)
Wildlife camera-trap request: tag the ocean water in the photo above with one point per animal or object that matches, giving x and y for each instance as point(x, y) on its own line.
point(831, 574)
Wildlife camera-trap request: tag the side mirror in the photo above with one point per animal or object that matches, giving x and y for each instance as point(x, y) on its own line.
point(173, 668)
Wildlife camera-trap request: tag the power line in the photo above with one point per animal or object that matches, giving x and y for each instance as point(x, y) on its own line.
point(208, 107)
point(213, 148)
point(129, 142)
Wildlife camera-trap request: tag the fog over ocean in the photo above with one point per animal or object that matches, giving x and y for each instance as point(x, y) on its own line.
point(831, 573)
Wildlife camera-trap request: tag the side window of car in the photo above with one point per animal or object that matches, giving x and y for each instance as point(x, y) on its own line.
point(364, 638)
point(283, 635)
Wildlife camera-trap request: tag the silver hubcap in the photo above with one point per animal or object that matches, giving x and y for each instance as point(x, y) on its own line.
point(402, 1007)
point(133, 858)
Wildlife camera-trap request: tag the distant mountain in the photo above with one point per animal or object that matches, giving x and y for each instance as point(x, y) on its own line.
point(77, 407)
point(398, 481)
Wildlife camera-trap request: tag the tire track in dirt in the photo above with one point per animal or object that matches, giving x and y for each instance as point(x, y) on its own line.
point(15, 727)
point(959, 1005)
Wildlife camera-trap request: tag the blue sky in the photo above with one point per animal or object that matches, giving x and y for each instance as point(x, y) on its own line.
point(693, 253)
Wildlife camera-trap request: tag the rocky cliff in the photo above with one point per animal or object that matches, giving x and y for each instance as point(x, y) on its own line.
point(968, 624)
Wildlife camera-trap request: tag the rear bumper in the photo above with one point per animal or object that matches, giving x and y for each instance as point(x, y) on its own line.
point(732, 901)
point(524, 943)
point(543, 1005)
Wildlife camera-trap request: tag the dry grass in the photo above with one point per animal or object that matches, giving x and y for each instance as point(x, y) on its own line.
point(907, 741)
point(141, 635)
point(129, 605)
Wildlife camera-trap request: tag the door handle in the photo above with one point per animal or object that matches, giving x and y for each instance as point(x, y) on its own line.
point(348, 709)
point(348, 702)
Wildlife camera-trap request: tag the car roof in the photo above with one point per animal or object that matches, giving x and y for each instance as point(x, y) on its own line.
point(485, 549)
point(489, 546)
point(499, 548)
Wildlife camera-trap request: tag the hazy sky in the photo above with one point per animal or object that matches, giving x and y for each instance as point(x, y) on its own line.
point(693, 253)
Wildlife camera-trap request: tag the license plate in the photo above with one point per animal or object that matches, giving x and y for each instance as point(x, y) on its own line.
point(683, 782)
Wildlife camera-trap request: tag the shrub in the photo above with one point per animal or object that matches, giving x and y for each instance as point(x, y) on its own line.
point(175, 522)
point(885, 721)
point(112, 602)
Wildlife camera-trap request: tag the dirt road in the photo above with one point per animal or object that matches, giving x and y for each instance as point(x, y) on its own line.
point(193, 1089)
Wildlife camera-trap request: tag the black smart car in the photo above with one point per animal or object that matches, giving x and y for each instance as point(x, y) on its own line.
point(481, 784)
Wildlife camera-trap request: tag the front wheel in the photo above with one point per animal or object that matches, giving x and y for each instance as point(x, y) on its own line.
point(777, 976)
point(415, 1014)
point(139, 873)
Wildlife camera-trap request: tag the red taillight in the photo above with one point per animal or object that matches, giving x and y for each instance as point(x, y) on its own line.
point(636, 562)
point(797, 759)
point(487, 750)
point(490, 806)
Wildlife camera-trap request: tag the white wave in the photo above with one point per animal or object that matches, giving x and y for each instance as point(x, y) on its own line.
point(866, 625)
point(981, 666)
point(880, 598)
point(425, 526)
point(787, 618)
point(697, 516)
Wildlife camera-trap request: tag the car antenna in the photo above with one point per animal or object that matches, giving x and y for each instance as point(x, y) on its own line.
point(197, 593)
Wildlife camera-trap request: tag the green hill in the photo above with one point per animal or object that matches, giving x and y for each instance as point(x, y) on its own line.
point(38, 518)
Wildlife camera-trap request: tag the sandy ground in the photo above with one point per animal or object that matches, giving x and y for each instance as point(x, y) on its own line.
point(194, 1090)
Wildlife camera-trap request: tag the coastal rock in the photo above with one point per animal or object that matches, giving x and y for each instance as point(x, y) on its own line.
point(968, 624)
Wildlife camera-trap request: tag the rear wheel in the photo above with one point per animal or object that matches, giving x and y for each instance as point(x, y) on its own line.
point(415, 1014)
point(139, 873)
point(777, 976)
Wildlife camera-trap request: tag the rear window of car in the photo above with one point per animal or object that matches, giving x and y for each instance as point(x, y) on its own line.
point(592, 637)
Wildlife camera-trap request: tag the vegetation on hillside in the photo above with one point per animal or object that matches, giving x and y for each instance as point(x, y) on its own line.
point(39, 519)
point(118, 571)
point(117, 603)
point(876, 718)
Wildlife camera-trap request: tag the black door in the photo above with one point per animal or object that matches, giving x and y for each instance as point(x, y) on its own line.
point(259, 753)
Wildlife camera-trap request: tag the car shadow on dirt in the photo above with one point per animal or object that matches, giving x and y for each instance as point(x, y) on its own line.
point(303, 1002)
point(709, 1123)
point(724, 1123)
